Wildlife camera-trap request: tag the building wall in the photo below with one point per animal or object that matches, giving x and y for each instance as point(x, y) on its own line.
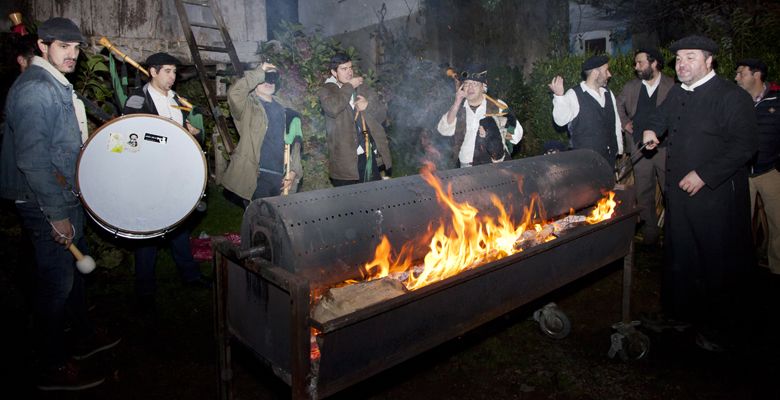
point(143, 27)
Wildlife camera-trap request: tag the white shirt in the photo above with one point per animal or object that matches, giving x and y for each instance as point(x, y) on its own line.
point(566, 108)
point(651, 86)
point(163, 105)
point(466, 154)
point(699, 82)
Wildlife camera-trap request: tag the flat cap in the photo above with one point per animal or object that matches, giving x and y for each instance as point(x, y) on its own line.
point(61, 29)
point(162, 59)
point(695, 42)
point(475, 72)
point(654, 53)
point(594, 62)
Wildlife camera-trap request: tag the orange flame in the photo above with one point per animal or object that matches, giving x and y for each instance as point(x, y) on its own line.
point(467, 240)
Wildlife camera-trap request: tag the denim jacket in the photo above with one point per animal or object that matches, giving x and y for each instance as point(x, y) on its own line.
point(41, 141)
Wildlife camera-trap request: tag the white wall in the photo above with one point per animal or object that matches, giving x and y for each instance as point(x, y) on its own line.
point(334, 17)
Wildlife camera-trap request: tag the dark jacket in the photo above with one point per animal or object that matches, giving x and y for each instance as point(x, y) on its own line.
point(140, 102)
point(628, 99)
point(768, 122)
point(41, 143)
point(341, 129)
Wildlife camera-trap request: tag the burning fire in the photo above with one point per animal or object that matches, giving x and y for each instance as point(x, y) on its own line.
point(468, 240)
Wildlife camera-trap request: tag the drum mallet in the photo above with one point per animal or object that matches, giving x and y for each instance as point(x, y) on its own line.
point(85, 264)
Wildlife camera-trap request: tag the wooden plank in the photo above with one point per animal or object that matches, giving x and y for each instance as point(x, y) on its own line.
point(105, 17)
point(137, 17)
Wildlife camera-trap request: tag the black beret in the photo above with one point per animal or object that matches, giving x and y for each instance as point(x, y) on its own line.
point(61, 29)
point(475, 72)
point(594, 62)
point(161, 59)
point(654, 53)
point(695, 42)
point(754, 64)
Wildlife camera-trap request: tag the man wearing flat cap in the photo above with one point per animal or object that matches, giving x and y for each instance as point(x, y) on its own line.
point(157, 97)
point(590, 110)
point(638, 100)
point(45, 128)
point(474, 138)
point(764, 175)
point(711, 138)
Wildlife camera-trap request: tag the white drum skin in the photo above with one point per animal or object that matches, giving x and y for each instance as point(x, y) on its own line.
point(140, 175)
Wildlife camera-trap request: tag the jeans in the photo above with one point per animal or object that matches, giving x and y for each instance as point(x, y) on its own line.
point(146, 256)
point(60, 286)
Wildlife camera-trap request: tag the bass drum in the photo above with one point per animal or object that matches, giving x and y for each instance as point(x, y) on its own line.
point(141, 175)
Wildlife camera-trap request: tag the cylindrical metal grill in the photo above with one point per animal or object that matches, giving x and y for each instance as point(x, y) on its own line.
point(325, 235)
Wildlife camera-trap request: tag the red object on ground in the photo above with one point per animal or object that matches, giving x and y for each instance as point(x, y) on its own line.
point(201, 248)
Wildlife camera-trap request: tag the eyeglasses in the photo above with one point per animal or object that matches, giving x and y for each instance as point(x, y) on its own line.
point(472, 84)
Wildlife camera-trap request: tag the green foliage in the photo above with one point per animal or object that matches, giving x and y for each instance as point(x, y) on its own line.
point(93, 80)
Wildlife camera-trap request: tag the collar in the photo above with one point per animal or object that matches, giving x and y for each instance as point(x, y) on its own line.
point(154, 92)
point(332, 79)
point(699, 82)
point(651, 85)
point(41, 62)
point(482, 105)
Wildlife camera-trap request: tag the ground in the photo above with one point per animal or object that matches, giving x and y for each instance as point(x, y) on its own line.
point(508, 358)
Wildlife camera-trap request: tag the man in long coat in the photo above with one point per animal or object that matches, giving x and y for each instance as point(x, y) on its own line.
point(711, 138)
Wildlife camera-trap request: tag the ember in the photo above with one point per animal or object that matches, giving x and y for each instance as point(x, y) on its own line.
point(469, 240)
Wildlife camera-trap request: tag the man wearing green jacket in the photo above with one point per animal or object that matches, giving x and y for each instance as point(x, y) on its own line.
point(267, 160)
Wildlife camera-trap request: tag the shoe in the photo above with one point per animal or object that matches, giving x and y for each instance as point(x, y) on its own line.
point(708, 344)
point(100, 341)
point(658, 323)
point(67, 377)
point(201, 282)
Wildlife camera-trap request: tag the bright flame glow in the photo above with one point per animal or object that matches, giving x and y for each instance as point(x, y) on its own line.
point(468, 240)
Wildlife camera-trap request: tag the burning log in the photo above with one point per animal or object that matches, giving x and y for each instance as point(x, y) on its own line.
point(345, 300)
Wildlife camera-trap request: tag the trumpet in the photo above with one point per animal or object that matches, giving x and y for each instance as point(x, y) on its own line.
point(451, 73)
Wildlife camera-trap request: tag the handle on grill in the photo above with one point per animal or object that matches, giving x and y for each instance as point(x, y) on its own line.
point(257, 251)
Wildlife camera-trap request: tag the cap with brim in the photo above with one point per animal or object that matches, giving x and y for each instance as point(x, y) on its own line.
point(161, 59)
point(594, 62)
point(654, 53)
point(475, 72)
point(695, 42)
point(61, 29)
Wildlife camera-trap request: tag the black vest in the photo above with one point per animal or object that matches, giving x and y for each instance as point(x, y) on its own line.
point(645, 106)
point(594, 126)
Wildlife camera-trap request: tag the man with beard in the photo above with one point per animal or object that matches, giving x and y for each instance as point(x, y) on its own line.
point(711, 129)
point(590, 110)
point(764, 175)
point(638, 100)
point(45, 129)
point(157, 97)
point(465, 122)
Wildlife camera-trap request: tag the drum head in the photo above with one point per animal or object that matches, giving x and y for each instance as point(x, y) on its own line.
point(140, 175)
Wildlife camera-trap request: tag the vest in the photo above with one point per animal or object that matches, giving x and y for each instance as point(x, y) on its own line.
point(594, 126)
point(645, 106)
point(460, 127)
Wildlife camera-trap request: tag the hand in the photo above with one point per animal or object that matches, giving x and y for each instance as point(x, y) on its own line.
point(650, 140)
point(361, 103)
point(287, 181)
point(193, 130)
point(482, 132)
point(268, 67)
point(460, 94)
point(629, 127)
point(62, 232)
point(556, 86)
point(691, 183)
point(356, 81)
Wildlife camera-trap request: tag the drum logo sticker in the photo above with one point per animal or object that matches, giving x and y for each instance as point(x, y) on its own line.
point(132, 144)
point(155, 138)
point(116, 143)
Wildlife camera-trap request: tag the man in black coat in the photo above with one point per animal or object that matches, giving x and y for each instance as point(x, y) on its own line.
point(711, 138)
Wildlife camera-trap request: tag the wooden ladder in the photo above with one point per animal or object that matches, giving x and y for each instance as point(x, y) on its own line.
point(195, 49)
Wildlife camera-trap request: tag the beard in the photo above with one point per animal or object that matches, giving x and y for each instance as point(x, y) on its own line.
point(645, 74)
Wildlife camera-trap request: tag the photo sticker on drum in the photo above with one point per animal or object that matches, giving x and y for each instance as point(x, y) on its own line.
point(155, 138)
point(116, 143)
point(132, 144)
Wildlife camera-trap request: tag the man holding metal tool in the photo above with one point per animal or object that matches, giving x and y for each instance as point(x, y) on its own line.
point(638, 100)
point(267, 160)
point(712, 136)
point(358, 150)
point(475, 138)
point(46, 126)
point(590, 110)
